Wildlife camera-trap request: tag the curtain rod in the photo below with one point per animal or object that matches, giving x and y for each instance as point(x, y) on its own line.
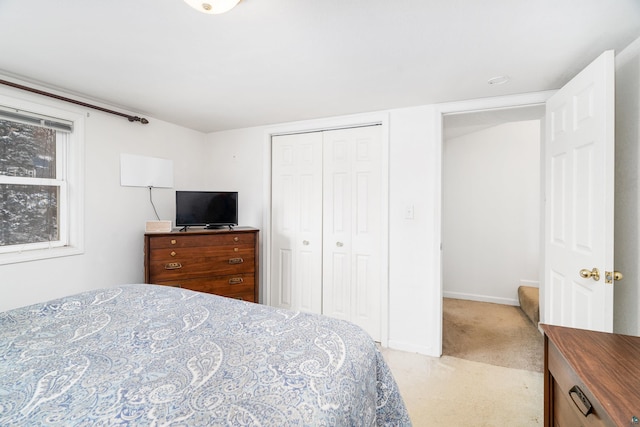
point(73, 101)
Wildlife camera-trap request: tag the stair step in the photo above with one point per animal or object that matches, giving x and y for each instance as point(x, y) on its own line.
point(529, 298)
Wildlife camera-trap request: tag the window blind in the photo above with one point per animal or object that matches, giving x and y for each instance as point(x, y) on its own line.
point(35, 119)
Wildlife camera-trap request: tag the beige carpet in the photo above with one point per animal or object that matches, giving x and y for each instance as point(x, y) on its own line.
point(495, 334)
point(452, 392)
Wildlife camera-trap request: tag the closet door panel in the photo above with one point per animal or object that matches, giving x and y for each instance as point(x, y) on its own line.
point(367, 229)
point(336, 283)
point(284, 222)
point(352, 226)
point(326, 224)
point(296, 222)
point(283, 296)
point(362, 280)
point(336, 290)
point(338, 217)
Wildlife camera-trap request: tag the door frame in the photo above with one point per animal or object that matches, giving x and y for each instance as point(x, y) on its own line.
point(521, 100)
point(319, 125)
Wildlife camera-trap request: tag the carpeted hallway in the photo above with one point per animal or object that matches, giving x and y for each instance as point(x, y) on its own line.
point(489, 375)
point(500, 335)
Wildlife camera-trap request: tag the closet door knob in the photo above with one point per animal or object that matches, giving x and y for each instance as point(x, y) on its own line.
point(339, 244)
point(305, 242)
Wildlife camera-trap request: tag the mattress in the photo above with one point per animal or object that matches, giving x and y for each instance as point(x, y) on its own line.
point(157, 355)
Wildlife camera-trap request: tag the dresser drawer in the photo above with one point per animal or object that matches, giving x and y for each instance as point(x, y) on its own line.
point(239, 286)
point(187, 241)
point(566, 412)
point(213, 252)
point(179, 267)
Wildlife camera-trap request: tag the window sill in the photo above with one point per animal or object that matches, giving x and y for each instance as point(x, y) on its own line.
point(38, 254)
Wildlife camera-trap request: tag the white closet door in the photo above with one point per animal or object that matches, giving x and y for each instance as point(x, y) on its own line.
point(352, 264)
point(296, 229)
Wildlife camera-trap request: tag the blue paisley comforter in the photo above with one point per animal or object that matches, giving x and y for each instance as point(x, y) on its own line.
point(141, 355)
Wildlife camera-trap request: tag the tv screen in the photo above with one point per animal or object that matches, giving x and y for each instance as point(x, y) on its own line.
point(206, 208)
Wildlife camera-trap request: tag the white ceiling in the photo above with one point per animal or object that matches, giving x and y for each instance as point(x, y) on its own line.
point(274, 61)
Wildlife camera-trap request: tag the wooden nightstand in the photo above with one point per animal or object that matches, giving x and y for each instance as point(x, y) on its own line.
point(591, 378)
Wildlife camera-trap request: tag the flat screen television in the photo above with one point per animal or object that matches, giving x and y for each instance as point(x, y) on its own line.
point(210, 209)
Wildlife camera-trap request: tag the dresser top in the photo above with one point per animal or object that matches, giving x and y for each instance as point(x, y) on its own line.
point(200, 230)
point(608, 364)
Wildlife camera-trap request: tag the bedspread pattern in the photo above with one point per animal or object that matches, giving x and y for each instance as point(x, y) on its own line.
point(155, 355)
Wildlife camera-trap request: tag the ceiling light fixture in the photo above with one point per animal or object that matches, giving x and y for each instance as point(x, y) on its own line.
point(213, 7)
point(498, 80)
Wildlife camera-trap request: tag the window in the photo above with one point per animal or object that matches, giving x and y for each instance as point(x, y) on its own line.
point(40, 183)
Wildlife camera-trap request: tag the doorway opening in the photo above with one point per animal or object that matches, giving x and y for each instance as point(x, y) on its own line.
point(491, 216)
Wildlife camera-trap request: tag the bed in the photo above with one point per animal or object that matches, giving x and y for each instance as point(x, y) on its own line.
point(157, 355)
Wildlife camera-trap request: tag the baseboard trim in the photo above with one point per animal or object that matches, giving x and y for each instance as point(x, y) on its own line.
point(410, 348)
point(532, 283)
point(481, 298)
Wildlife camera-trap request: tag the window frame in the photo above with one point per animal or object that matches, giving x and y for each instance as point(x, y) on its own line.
point(70, 181)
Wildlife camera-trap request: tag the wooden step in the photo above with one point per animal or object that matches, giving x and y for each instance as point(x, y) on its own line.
point(529, 298)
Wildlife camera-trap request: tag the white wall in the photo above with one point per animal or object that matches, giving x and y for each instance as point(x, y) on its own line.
point(414, 244)
point(242, 161)
point(491, 212)
point(627, 203)
point(114, 215)
point(234, 162)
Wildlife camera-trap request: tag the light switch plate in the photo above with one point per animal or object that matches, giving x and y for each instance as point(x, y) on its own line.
point(408, 212)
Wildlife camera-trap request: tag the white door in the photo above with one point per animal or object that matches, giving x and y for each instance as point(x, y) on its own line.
point(579, 173)
point(296, 229)
point(352, 264)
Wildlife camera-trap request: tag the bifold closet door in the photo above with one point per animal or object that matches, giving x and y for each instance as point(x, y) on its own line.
point(296, 222)
point(352, 204)
point(326, 224)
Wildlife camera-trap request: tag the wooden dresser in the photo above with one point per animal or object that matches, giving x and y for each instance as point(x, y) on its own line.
point(222, 262)
point(591, 378)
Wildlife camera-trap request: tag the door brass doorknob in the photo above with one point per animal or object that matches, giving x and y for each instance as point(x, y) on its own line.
point(590, 274)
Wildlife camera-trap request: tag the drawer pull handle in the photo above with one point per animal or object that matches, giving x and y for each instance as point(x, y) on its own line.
point(172, 266)
point(173, 253)
point(235, 239)
point(173, 241)
point(580, 400)
point(236, 260)
point(236, 280)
